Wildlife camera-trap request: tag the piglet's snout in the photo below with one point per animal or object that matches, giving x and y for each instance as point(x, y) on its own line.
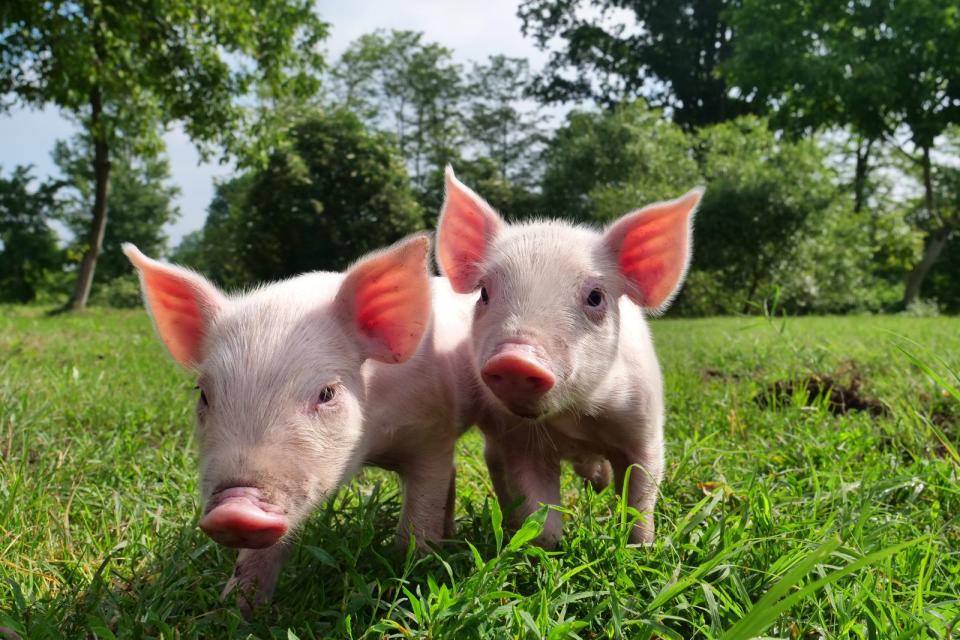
point(517, 376)
point(239, 517)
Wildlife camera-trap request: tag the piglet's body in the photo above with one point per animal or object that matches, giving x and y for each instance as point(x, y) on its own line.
point(561, 345)
point(304, 381)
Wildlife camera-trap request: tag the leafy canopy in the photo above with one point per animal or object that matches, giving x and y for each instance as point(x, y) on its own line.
point(336, 191)
point(600, 165)
point(29, 251)
point(666, 51)
point(152, 63)
point(143, 202)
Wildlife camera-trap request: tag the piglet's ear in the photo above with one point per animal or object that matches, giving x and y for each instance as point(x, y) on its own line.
point(467, 226)
point(385, 299)
point(181, 303)
point(652, 249)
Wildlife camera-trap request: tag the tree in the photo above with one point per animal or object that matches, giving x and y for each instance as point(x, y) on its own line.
point(191, 252)
point(943, 284)
point(513, 198)
point(880, 67)
point(412, 88)
point(498, 122)
point(337, 192)
point(775, 216)
point(218, 249)
point(600, 165)
point(669, 55)
point(142, 196)
point(124, 70)
point(29, 250)
point(750, 215)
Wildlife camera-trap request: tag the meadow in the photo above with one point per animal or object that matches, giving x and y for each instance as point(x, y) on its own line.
point(789, 509)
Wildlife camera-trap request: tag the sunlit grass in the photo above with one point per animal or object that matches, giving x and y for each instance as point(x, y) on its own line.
point(782, 521)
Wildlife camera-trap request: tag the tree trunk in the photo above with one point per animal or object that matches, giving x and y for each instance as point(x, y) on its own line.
point(754, 284)
point(98, 225)
point(860, 176)
point(932, 248)
point(935, 242)
point(503, 148)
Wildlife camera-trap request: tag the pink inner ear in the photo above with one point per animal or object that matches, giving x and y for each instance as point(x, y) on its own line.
point(654, 248)
point(180, 302)
point(177, 314)
point(467, 224)
point(391, 300)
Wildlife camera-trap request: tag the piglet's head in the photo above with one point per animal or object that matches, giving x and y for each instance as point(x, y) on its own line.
point(280, 393)
point(547, 320)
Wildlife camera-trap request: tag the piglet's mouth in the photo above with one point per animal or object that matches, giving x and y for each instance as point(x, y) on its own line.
point(240, 517)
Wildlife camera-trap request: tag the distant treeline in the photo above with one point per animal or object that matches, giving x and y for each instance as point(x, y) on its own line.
point(833, 181)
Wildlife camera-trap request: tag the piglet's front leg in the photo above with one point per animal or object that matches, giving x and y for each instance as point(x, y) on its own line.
point(255, 577)
point(534, 479)
point(427, 502)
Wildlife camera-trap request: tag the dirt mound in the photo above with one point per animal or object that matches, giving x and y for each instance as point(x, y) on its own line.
point(840, 398)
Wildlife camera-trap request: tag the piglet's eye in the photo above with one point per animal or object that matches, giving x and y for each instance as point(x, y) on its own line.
point(484, 296)
point(327, 394)
point(595, 298)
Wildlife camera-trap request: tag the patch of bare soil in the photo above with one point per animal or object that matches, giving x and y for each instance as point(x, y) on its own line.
point(841, 398)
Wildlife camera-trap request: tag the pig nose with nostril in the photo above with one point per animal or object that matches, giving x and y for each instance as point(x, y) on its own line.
point(516, 375)
point(239, 517)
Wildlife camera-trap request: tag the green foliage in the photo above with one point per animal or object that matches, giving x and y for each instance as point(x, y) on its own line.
point(772, 216)
point(922, 309)
point(30, 256)
point(942, 284)
point(784, 521)
point(227, 215)
point(332, 192)
point(483, 175)
point(666, 51)
point(127, 70)
point(338, 192)
point(504, 130)
point(832, 267)
point(601, 165)
point(217, 250)
point(882, 68)
point(156, 63)
point(122, 292)
point(409, 87)
point(875, 66)
point(143, 203)
point(191, 252)
point(400, 84)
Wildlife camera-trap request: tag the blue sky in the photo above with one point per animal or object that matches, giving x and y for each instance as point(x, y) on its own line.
point(474, 29)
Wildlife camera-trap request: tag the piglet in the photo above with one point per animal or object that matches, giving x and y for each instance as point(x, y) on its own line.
point(303, 381)
point(559, 340)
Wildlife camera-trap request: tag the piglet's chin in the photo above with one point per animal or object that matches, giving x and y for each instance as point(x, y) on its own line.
point(238, 517)
point(530, 413)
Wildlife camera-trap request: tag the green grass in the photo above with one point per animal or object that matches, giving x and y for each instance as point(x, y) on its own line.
point(781, 521)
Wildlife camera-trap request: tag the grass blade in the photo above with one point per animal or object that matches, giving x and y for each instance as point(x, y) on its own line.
point(766, 611)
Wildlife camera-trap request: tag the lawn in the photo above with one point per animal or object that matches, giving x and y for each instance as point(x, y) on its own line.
point(780, 517)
